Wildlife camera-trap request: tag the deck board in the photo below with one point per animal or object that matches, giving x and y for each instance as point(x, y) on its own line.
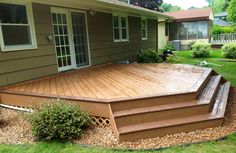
point(115, 81)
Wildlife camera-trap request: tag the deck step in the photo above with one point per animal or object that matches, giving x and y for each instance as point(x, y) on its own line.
point(160, 128)
point(152, 101)
point(203, 105)
point(184, 124)
point(162, 124)
point(147, 118)
point(221, 100)
point(210, 91)
point(150, 109)
point(158, 113)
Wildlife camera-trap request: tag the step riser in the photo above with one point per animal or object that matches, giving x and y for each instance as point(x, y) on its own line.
point(161, 115)
point(140, 103)
point(170, 130)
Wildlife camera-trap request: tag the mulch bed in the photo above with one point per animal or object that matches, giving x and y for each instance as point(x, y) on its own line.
point(15, 129)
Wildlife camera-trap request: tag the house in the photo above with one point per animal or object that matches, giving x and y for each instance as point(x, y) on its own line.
point(39, 38)
point(220, 19)
point(190, 25)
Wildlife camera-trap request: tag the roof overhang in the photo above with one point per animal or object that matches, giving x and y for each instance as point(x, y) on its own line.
point(191, 19)
point(106, 6)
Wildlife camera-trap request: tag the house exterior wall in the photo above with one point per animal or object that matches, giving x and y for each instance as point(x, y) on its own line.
point(18, 66)
point(102, 47)
point(162, 38)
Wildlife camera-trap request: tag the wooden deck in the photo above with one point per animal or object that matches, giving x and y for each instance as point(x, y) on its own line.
point(139, 100)
point(114, 82)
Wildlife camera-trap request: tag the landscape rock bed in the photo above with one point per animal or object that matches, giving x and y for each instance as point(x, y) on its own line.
point(15, 129)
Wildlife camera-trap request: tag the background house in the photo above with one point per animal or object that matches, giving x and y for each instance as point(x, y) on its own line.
point(190, 25)
point(220, 19)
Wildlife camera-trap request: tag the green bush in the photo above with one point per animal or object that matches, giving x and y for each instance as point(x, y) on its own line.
point(229, 50)
point(201, 49)
point(58, 120)
point(149, 56)
point(168, 47)
point(221, 30)
point(174, 59)
point(190, 44)
point(234, 28)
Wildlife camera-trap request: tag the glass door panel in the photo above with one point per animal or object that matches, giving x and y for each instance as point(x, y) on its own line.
point(80, 39)
point(62, 44)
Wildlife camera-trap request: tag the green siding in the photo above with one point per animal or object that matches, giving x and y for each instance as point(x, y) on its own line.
point(102, 47)
point(18, 66)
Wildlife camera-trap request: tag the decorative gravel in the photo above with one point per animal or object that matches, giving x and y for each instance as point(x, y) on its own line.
point(16, 130)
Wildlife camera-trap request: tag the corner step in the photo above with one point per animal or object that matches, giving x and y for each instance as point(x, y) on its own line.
point(184, 124)
point(208, 94)
point(159, 113)
point(221, 100)
point(150, 109)
point(161, 128)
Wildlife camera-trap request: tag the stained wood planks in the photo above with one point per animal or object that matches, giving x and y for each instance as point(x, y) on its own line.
point(115, 81)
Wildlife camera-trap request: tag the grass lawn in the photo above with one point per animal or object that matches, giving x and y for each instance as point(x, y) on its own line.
point(227, 69)
point(227, 146)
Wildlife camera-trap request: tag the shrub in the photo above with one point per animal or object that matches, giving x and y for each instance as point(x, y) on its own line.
point(58, 121)
point(190, 44)
point(201, 49)
point(221, 30)
point(174, 59)
point(168, 47)
point(148, 56)
point(229, 50)
point(234, 28)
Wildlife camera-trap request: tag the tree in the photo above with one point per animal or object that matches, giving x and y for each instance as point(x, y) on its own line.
point(226, 4)
point(219, 6)
point(169, 8)
point(232, 11)
point(149, 4)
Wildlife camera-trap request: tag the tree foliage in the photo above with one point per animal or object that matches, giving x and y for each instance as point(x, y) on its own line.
point(218, 6)
point(232, 11)
point(169, 8)
point(149, 4)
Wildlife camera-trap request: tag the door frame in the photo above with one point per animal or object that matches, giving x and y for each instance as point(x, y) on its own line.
point(87, 34)
point(68, 12)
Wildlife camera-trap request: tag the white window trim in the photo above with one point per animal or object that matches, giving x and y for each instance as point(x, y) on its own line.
point(119, 15)
point(31, 26)
point(146, 28)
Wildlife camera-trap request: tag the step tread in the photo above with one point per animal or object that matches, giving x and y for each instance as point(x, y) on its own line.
point(210, 90)
point(150, 109)
point(221, 100)
point(165, 123)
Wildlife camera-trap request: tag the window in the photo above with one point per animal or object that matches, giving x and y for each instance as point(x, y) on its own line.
point(202, 29)
point(183, 30)
point(190, 30)
point(16, 27)
point(167, 29)
point(120, 28)
point(144, 29)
